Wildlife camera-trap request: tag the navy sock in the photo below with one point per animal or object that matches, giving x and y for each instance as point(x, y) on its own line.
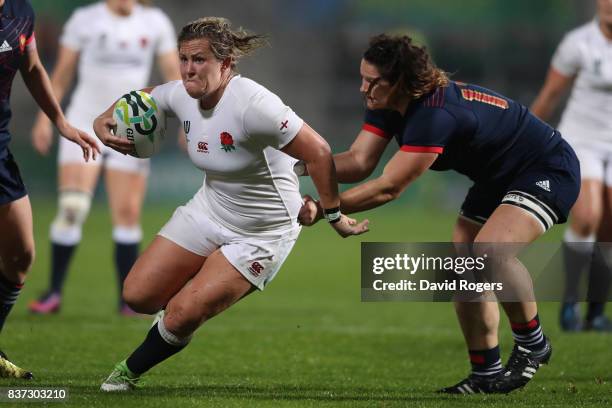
point(486, 362)
point(125, 257)
point(529, 334)
point(153, 350)
point(576, 258)
point(60, 259)
point(9, 292)
point(595, 309)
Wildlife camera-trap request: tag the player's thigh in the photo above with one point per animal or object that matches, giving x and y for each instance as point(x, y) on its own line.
point(78, 177)
point(17, 238)
point(588, 209)
point(126, 191)
point(159, 274)
point(217, 286)
point(478, 205)
point(465, 230)
point(604, 232)
point(510, 224)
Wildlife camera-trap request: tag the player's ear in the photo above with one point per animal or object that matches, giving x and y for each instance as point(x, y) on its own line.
point(227, 63)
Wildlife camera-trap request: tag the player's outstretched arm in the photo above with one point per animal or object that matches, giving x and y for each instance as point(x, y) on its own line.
point(39, 85)
point(61, 78)
point(402, 169)
point(357, 163)
point(311, 148)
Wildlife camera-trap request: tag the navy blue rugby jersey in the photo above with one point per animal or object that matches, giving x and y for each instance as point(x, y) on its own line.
point(16, 35)
point(476, 132)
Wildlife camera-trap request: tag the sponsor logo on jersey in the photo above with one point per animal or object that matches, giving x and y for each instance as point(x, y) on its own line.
point(283, 125)
point(22, 43)
point(5, 47)
point(227, 142)
point(255, 269)
point(186, 126)
point(202, 147)
point(544, 185)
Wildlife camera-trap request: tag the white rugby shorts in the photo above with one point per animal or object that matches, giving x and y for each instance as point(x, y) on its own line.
point(258, 257)
point(593, 151)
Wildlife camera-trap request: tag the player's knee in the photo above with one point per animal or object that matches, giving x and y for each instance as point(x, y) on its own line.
point(17, 265)
point(73, 207)
point(184, 320)
point(585, 221)
point(140, 302)
point(485, 249)
point(128, 214)
point(585, 228)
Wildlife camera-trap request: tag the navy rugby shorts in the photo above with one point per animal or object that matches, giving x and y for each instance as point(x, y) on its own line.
point(11, 184)
point(548, 188)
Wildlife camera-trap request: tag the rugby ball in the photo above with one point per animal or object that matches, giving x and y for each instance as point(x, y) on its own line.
point(140, 121)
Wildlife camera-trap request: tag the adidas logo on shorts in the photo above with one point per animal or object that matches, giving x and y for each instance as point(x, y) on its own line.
point(544, 185)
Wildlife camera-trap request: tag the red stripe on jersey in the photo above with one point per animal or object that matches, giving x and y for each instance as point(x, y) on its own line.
point(375, 130)
point(29, 40)
point(422, 149)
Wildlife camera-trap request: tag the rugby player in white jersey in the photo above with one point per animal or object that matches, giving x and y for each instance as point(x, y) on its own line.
point(113, 43)
point(584, 59)
point(234, 234)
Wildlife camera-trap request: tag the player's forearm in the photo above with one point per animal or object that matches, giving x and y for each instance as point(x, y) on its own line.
point(323, 174)
point(348, 168)
point(59, 83)
point(39, 85)
point(368, 195)
point(545, 104)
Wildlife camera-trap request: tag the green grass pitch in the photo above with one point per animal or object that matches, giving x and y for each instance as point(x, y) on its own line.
point(306, 341)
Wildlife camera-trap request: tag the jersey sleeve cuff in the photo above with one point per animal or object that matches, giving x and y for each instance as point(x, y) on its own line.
point(377, 131)
point(422, 149)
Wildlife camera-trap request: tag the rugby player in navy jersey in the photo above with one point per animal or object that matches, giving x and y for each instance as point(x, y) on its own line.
point(526, 178)
point(18, 52)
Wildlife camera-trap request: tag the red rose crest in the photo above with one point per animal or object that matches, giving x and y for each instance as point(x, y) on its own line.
point(227, 142)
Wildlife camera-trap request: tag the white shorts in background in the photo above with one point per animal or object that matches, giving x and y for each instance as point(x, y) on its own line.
point(72, 153)
point(257, 257)
point(593, 151)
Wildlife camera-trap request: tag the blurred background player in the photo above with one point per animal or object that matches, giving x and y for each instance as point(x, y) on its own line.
point(526, 179)
point(18, 52)
point(113, 44)
point(584, 59)
point(233, 236)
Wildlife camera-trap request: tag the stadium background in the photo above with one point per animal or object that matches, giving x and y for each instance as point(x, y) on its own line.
point(312, 63)
point(308, 340)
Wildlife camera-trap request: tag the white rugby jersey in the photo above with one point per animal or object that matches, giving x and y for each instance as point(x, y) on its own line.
point(586, 53)
point(249, 184)
point(116, 52)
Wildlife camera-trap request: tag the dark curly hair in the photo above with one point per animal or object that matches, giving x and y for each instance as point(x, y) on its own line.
point(406, 66)
point(224, 42)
